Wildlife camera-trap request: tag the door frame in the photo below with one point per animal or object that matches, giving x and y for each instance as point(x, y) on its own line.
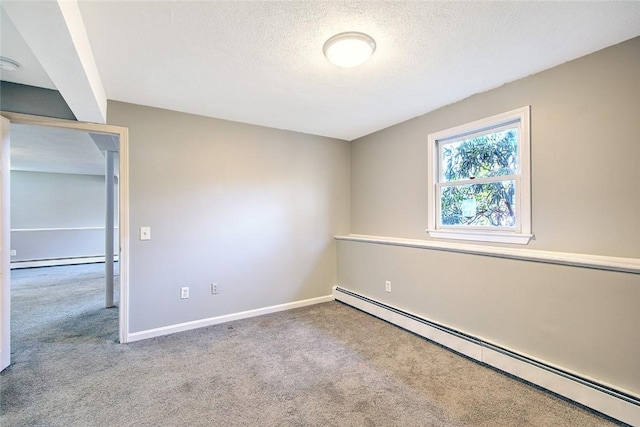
point(123, 150)
point(5, 261)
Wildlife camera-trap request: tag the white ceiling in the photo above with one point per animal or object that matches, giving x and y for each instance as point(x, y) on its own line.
point(13, 46)
point(261, 62)
point(55, 150)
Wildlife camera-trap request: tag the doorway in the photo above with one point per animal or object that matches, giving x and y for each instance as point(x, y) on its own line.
point(101, 134)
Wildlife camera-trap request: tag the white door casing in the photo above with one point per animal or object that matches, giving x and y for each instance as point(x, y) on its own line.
point(5, 248)
point(122, 134)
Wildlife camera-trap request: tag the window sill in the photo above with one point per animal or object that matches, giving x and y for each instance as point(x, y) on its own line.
point(479, 236)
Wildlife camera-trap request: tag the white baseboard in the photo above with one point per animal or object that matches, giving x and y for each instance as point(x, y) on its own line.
point(180, 327)
point(612, 401)
point(56, 262)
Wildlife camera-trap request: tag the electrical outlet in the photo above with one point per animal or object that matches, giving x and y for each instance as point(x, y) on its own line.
point(13, 252)
point(387, 286)
point(184, 292)
point(215, 289)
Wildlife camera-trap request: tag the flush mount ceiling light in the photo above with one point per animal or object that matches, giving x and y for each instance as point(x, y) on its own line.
point(349, 49)
point(8, 64)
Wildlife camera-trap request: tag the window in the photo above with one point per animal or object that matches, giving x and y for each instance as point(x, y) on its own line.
point(479, 180)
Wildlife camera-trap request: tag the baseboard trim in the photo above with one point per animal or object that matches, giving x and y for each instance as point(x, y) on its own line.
point(21, 230)
point(60, 261)
point(611, 401)
point(181, 327)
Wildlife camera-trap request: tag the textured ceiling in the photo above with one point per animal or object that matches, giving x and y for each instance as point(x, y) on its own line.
point(262, 63)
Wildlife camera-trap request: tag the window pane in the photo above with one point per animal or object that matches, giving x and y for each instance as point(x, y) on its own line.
point(483, 205)
point(490, 155)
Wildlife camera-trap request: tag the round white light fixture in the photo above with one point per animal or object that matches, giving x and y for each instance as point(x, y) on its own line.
point(349, 49)
point(8, 64)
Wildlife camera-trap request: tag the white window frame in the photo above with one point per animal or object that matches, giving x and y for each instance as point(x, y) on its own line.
point(521, 234)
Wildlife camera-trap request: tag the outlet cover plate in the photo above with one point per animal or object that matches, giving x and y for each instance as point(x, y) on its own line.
point(145, 233)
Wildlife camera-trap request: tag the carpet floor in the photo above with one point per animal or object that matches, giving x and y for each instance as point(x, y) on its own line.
point(323, 365)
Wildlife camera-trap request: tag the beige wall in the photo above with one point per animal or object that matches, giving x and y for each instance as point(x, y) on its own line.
point(251, 208)
point(585, 199)
point(56, 200)
point(584, 148)
point(56, 216)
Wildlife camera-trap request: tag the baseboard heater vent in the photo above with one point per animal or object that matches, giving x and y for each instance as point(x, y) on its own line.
point(55, 262)
point(610, 401)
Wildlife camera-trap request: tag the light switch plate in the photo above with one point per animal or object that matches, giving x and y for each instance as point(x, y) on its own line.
point(145, 233)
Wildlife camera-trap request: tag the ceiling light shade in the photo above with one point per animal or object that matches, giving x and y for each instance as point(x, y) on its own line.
point(349, 49)
point(8, 64)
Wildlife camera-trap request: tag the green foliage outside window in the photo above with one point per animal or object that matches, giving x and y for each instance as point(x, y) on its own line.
point(484, 203)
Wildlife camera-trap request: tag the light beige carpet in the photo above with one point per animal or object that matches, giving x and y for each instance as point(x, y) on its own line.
point(324, 365)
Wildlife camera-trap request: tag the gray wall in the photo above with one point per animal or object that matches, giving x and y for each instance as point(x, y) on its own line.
point(584, 149)
point(50, 214)
point(37, 101)
point(585, 199)
point(251, 208)
point(55, 200)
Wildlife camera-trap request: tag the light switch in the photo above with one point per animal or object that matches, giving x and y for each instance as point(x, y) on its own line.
point(145, 233)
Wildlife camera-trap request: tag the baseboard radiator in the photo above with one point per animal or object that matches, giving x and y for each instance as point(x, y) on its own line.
point(618, 404)
point(55, 262)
